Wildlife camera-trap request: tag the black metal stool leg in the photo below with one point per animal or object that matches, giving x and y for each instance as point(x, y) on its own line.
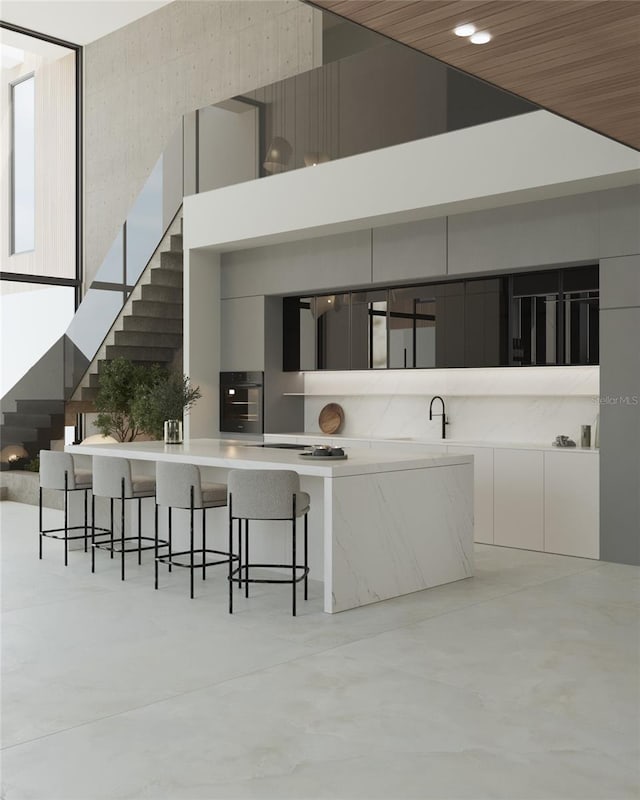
point(111, 510)
point(204, 543)
point(93, 533)
point(306, 560)
point(230, 559)
point(170, 537)
point(40, 523)
point(85, 521)
point(122, 533)
point(246, 556)
point(139, 531)
point(240, 554)
point(66, 522)
point(293, 577)
point(155, 552)
point(191, 546)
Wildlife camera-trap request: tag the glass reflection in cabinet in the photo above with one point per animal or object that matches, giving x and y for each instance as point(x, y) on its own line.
point(412, 328)
point(331, 314)
point(369, 330)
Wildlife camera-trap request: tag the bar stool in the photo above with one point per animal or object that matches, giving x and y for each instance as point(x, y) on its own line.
point(181, 486)
point(112, 478)
point(58, 472)
point(267, 495)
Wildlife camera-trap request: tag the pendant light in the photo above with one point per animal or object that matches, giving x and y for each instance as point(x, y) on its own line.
point(280, 150)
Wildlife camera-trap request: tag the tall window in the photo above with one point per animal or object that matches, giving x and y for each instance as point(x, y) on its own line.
point(23, 194)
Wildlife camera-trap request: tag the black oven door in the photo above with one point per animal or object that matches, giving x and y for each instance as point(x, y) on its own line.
point(241, 402)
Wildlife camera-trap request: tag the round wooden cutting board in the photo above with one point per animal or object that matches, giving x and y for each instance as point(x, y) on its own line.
point(331, 418)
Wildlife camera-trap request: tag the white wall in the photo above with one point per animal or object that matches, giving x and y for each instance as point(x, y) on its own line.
point(517, 160)
point(24, 335)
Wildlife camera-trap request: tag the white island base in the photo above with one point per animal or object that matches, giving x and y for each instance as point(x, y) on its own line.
point(382, 523)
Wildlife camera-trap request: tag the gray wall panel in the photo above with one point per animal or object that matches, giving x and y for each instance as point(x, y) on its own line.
point(620, 221)
point(563, 230)
point(310, 265)
point(619, 420)
point(411, 251)
point(619, 282)
point(242, 334)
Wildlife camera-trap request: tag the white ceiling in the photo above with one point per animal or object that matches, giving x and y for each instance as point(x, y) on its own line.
point(76, 21)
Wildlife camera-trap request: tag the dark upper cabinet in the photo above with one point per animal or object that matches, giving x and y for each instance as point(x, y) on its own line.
point(450, 325)
point(485, 323)
point(526, 319)
point(332, 315)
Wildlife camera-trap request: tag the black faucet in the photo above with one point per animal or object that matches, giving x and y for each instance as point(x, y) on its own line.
point(445, 421)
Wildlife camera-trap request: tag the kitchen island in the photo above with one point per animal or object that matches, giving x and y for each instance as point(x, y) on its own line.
point(383, 523)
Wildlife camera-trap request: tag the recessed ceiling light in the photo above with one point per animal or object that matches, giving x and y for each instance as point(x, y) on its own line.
point(465, 30)
point(482, 37)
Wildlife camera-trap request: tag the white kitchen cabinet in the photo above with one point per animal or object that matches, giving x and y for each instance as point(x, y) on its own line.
point(482, 490)
point(571, 504)
point(518, 498)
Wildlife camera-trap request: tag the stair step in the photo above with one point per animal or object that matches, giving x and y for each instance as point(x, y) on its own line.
point(152, 324)
point(171, 260)
point(161, 294)
point(175, 242)
point(166, 277)
point(149, 308)
point(16, 434)
point(40, 406)
point(159, 355)
point(148, 339)
point(17, 419)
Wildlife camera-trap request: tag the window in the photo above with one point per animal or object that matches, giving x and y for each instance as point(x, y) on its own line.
point(23, 230)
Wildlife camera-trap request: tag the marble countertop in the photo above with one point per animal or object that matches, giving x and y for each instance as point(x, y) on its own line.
point(222, 453)
point(444, 442)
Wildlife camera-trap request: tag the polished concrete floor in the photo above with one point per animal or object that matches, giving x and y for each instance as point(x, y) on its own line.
point(519, 683)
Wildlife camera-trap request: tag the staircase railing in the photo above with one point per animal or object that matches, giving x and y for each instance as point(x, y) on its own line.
point(136, 242)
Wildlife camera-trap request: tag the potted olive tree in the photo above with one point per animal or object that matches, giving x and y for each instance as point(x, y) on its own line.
point(119, 383)
point(159, 407)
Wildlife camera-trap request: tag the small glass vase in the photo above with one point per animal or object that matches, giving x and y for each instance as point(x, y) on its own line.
point(173, 431)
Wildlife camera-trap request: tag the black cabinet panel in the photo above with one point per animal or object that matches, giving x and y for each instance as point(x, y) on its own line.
point(543, 318)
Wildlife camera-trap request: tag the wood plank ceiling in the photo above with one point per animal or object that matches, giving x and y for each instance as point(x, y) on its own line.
point(578, 58)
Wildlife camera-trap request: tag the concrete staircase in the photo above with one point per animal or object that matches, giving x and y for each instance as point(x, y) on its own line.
point(33, 425)
point(149, 328)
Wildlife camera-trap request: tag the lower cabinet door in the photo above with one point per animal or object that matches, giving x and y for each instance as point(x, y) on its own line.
point(572, 504)
point(518, 502)
point(482, 490)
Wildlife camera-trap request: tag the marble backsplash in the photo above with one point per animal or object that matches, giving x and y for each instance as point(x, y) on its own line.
point(497, 419)
point(397, 404)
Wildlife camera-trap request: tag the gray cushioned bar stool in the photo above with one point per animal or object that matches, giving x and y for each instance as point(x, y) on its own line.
point(256, 494)
point(58, 472)
point(112, 478)
point(181, 486)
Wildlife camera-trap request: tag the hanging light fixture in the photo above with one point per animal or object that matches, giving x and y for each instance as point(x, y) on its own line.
point(278, 155)
point(280, 150)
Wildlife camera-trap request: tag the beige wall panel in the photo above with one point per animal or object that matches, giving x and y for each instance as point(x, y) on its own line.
point(140, 80)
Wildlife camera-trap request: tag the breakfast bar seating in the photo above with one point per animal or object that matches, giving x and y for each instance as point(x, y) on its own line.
point(59, 473)
point(272, 494)
point(180, 486)
point(112, 478)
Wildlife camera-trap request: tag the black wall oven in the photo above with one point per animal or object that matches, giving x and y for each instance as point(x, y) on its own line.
point(241, 402)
